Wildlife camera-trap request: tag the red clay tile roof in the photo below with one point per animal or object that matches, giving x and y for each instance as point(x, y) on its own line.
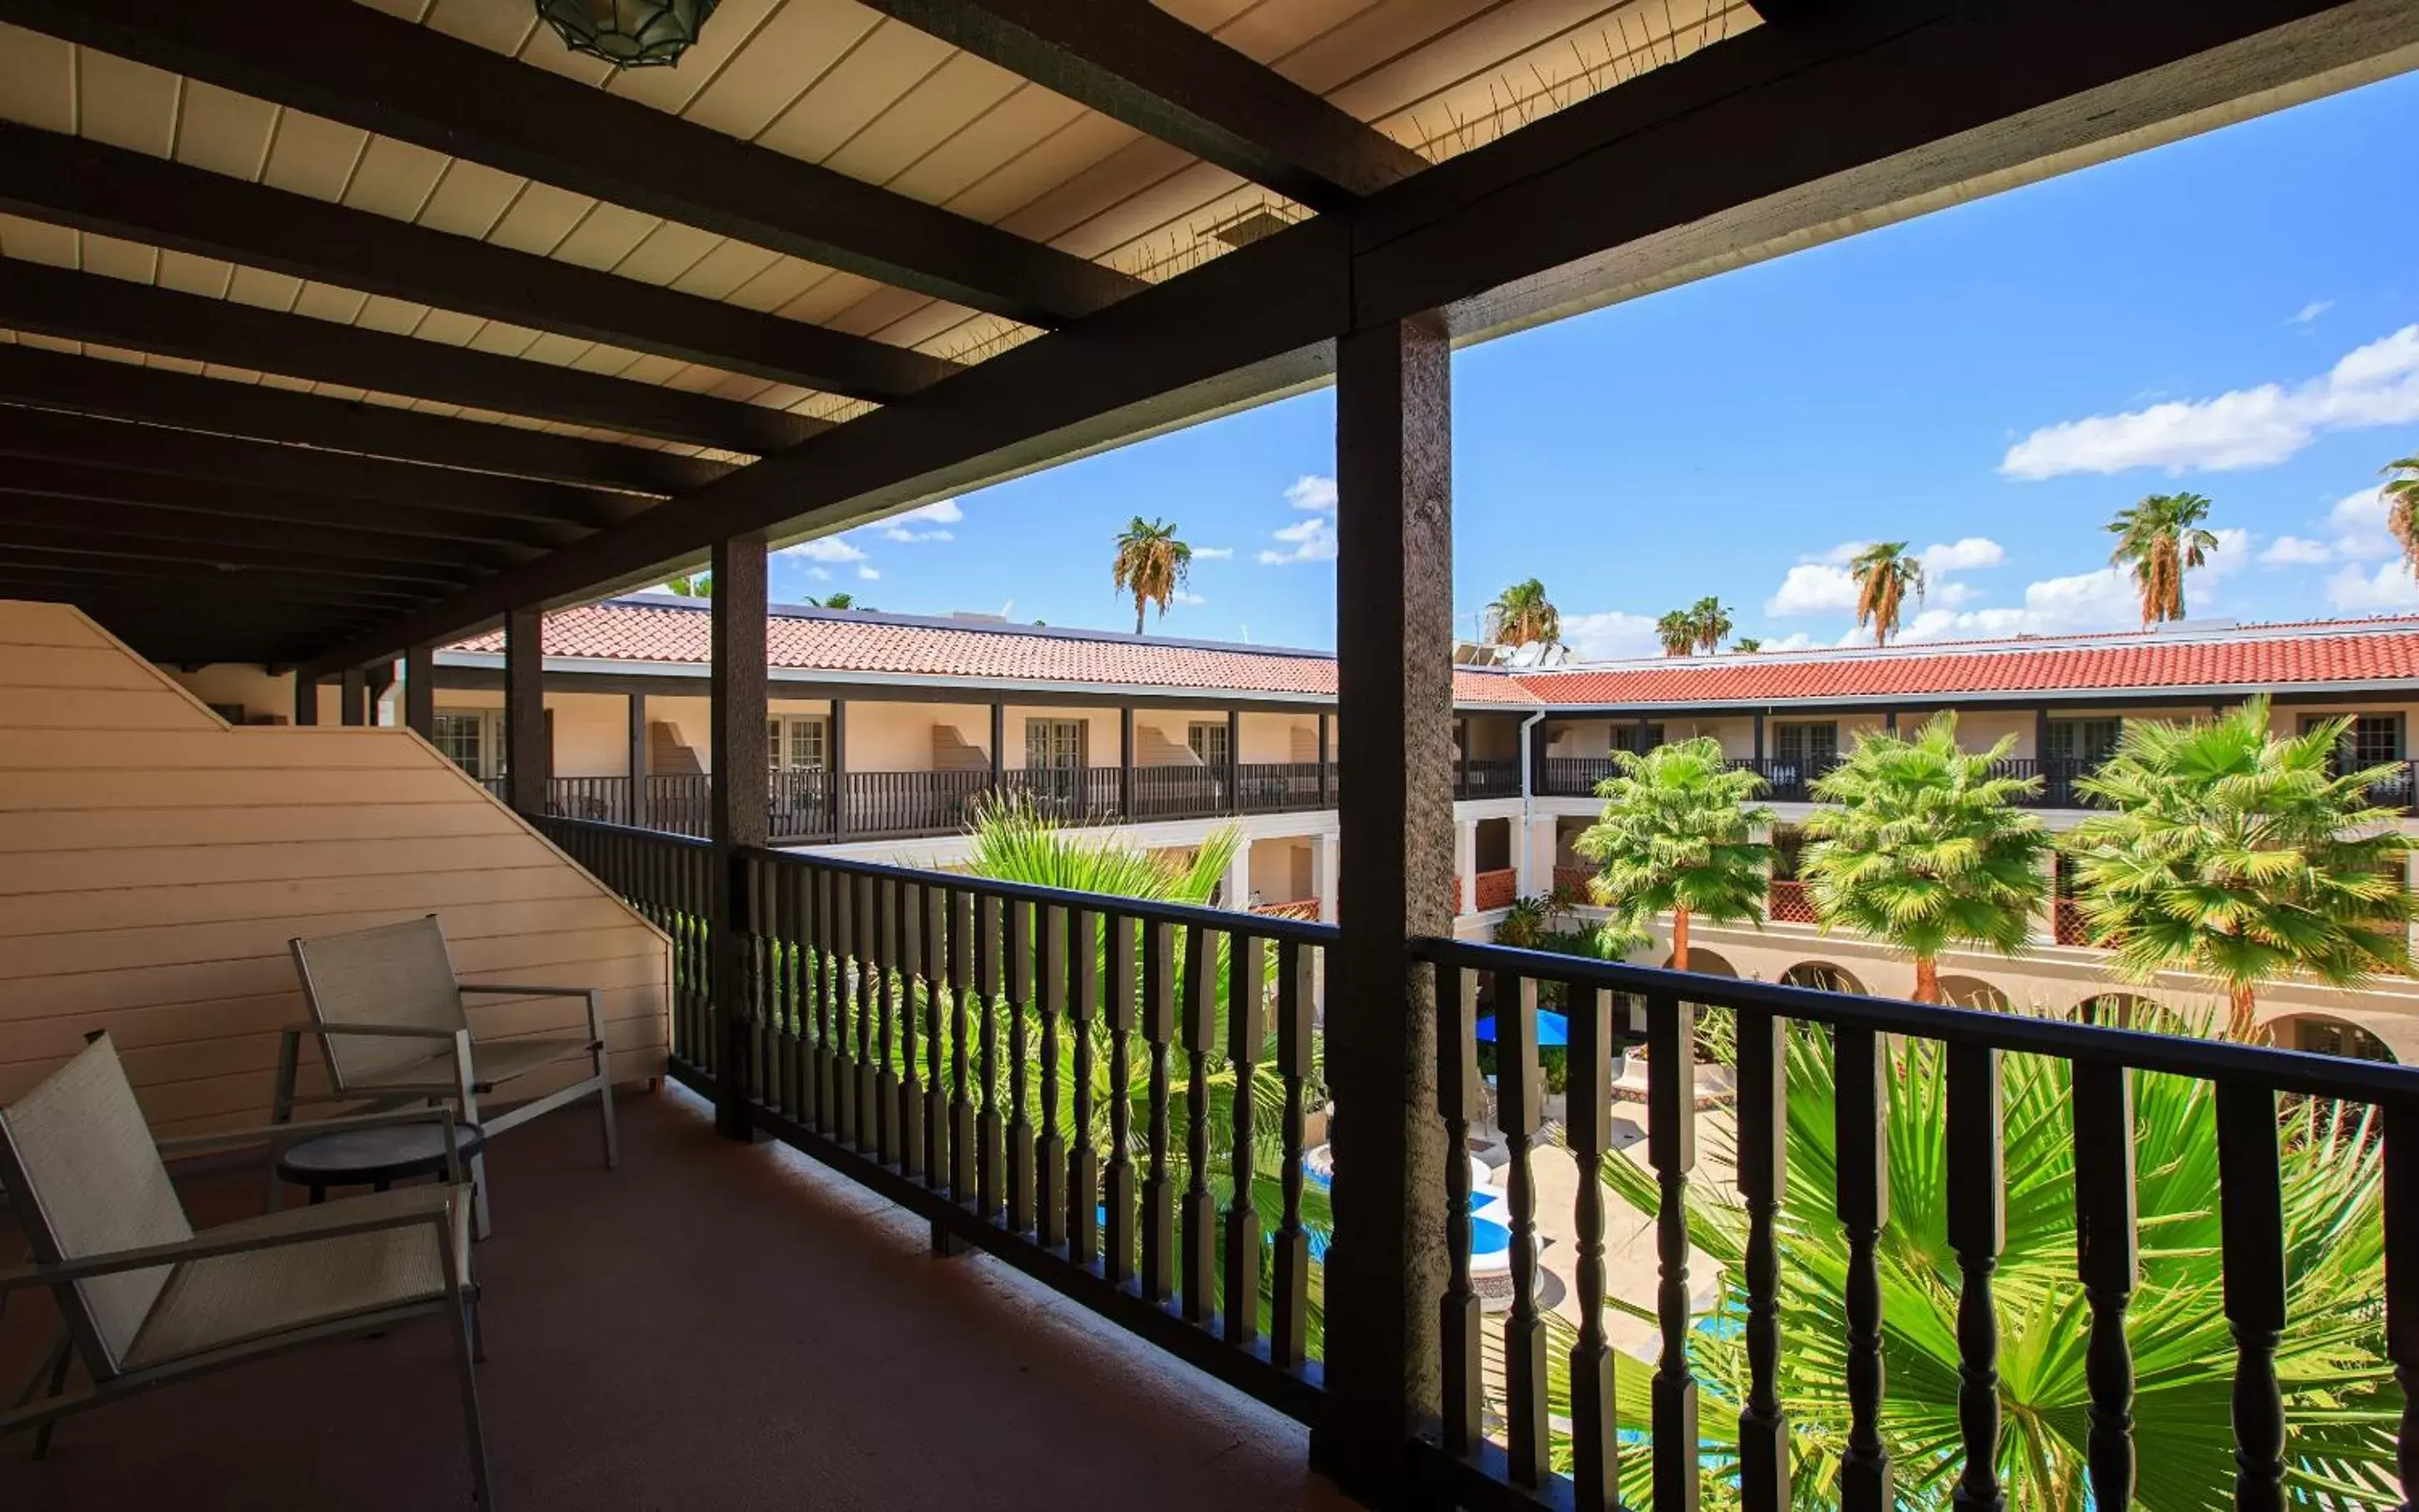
point(2345, 651)
point(849, 642)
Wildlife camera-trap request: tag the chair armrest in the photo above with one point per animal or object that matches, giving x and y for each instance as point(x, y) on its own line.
point(392, 1031)
point(401, 1208)
point(307, 1128)
point(596, 1020)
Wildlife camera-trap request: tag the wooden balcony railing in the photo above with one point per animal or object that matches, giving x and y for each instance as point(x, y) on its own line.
point(1502, 1452)
point(1303, 908)
point(1787, 904)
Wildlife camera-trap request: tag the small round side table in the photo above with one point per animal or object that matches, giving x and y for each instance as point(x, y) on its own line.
point(377, 1158)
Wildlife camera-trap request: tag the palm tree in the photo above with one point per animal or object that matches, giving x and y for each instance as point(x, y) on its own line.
point(842, 599)
point(1677, 836)
point(1522, 614)
point(1884, 573)
point(1712, 624)
point(1152, 565)
point(2402, 508)
point(1922, 848)
point(2162, 536)
point(2337, 1382)
point(1748, 644)
point(2242, 855)
point(1678, 632)
point(695, 585)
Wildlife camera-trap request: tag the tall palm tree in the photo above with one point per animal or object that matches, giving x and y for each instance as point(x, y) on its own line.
point(2244, 856)
point(1747, 644)
point(2163, 537)
point(1677, 836)
point(1522, 614)
point(843, 599)
point(1151, 564)
point(695, 585)
point(1678, 632)
point(1921, 847)
point(2402, 508)
point(1884, 573)
point(1713, 623)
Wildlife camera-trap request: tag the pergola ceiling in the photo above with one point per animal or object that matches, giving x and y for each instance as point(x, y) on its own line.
point(284, 259)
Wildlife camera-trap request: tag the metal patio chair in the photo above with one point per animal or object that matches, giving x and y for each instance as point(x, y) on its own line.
point(387, 1010)
point(148, 1301)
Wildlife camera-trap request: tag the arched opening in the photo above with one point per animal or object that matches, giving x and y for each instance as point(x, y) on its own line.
point(1822, 974)
point(1705, 963)
point(2119, 1010)
point(1972, 992)
point(2319, 1035)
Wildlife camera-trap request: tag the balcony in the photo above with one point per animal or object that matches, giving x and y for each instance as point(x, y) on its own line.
point(1789, 781)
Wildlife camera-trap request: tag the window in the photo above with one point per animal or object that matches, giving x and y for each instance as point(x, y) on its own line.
point(463, 738)
point(798, 742)
point(2372, 739)
point(1207, 738)
point(1808, 744)
point(1627, 737)
point(2088, 740)
point(2332, 1036)
point(1057, 744)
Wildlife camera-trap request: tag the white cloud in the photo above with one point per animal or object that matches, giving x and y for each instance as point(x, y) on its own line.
point(821, 574)
point(939, 512)
point(825, 548)
point(1838, 556)
point(1951, 594)
point(1814, 588)
point(2360, 518)
point(869, 574)
point(1962, 555)
point(1212, 553)
point(1611, 636)
point(2104, 599)
point(2311, 312)
point(900, 533)
point(1309, 540)
point(2294, 551)
point(1187, 597)
point(1312, 491)
point(2375, 385)
point(2390, 587)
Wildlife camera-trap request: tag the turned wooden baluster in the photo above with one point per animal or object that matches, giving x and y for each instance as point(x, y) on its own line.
point(1978, 1231)
point(1083, 1215)
point(1158, 1028)
point(1462, 1102)
point(1520, 1098)
point(1764, 1182)
point(991, 1128)
point(1671, 1149)
point(907, 907)
point(1290, 1282)
point(864, 946)
point(1050, 1151)
point(1863, 1135)
point(886, 1075)
point(826, 989)
point(845, 961)
point(2106, 1257)
point(1125, 1001)
point(936, 1037)
point(1595, 1468)
point(2401, 1228)
point(965, 1145)
point(1019, 1134)
point(2251, 1212)
point(1199, 1285)
point(1246, 1026)
point(790, 986)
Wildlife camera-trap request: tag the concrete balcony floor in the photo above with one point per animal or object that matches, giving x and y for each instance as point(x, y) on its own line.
point(710, 1326)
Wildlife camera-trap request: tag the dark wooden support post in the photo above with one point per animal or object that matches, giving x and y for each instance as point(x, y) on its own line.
point(525, 753)
point(1889, 721)
point(1641, 747)
point(381, 677)
point(1759, 741)
point(998, 745)
point(1326, 794)
point(740, 802)
point(1125, 762)
point(1233, 759)
point(420, 690)
point(636, 817)
point(835, 768)
point(306, 699)
point(354, 696)
point(1394, 636)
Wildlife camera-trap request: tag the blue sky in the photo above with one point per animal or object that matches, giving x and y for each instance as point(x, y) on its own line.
point(2237, 315)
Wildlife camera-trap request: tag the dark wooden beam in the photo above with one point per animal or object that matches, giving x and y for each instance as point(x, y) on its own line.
point(1133, 62)
point(253, 502)
point(1914, 99)
point(185, 453)
point(352, 64)
point(186, 585)
point(525, 732)
point(70, 180)
point(420, 690)
point(201, 535)
point(73, 306)
point(209, 552)
point(353, 697)
point(122, 390)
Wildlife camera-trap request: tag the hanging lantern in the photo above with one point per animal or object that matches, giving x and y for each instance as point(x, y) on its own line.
point(628, 33)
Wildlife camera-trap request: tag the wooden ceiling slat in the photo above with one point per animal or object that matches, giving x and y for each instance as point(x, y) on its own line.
point(92, 541)
point(1135, 63)
point(413, 83)
point(83, 307)
point(189, 533)
point(160, 396)
point(89, 186)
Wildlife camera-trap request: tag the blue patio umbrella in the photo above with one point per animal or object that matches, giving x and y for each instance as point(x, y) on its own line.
point(1552, 1029)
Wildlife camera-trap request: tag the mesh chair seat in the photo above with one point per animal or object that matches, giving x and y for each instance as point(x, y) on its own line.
point(233, 1298)
point(493, 1062)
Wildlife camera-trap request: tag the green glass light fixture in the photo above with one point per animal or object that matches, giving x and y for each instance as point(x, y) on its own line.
point(628, 33)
